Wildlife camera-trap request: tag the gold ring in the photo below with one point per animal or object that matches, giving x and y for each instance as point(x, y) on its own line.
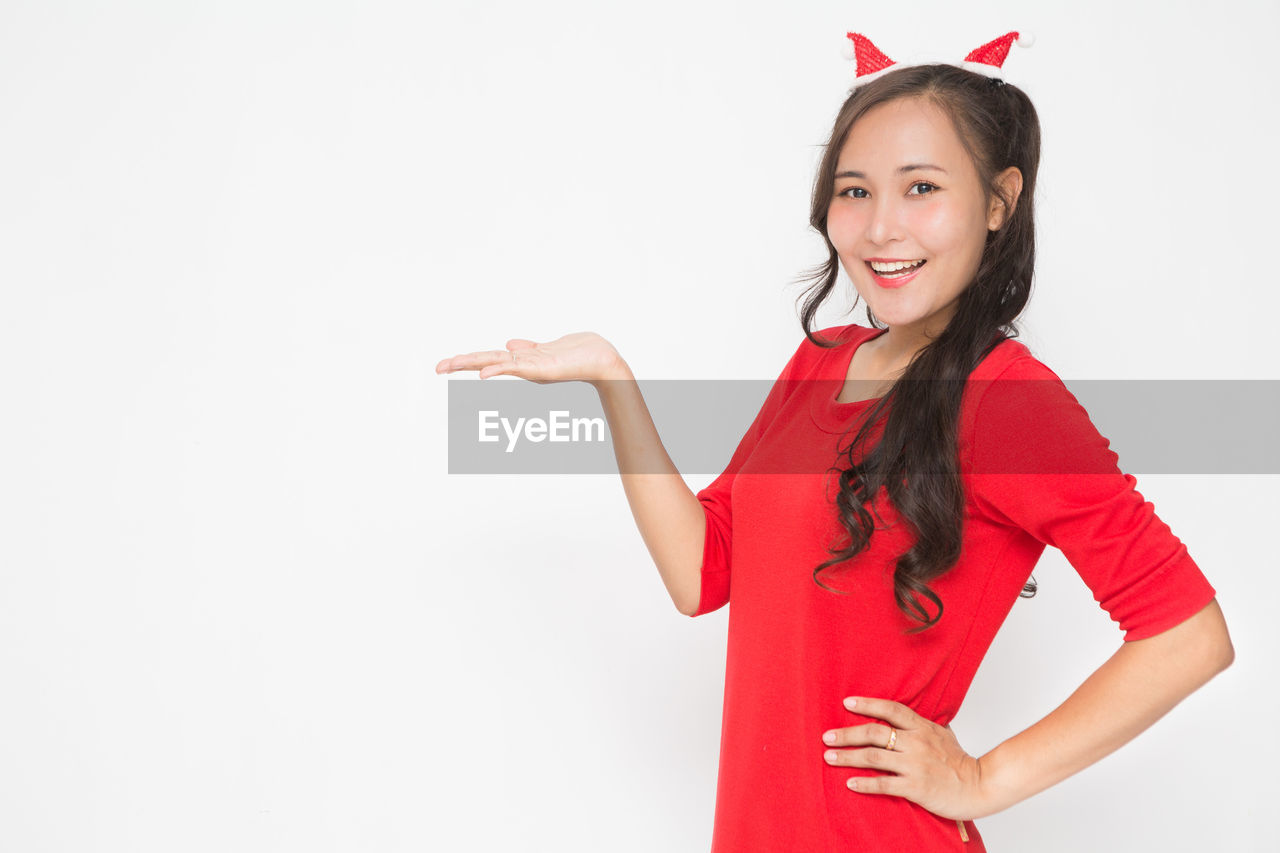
point(893, 738)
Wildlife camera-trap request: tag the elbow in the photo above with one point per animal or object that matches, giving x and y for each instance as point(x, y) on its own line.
point(1217, 658)
point(1226, 652)
point(1200, 644)
point(687, 594)
point(1215, 647)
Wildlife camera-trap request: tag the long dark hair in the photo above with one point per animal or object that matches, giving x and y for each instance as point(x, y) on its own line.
point(915, 461)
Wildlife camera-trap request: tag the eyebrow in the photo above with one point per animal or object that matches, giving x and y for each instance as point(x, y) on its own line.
point(910, 167)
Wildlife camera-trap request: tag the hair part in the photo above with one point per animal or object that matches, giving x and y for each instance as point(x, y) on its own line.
point(915, 461)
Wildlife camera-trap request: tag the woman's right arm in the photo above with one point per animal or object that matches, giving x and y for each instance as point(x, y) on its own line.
point(668, 514)
point(670, 517)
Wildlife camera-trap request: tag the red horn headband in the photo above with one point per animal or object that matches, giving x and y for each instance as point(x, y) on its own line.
point(987, 59)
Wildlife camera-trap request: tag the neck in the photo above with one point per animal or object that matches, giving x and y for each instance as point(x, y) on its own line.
point(899, 344)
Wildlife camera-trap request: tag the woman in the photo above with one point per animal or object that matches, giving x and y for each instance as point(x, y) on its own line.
point(884, 510)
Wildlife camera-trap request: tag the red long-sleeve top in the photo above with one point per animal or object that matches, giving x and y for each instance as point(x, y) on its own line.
point(1035, 471)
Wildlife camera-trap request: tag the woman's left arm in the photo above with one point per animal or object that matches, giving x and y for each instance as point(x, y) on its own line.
point(1136, 686)
point(1037, 463)
point(1040, 464)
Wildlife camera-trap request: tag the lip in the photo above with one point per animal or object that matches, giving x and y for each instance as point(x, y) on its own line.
point(892, 283)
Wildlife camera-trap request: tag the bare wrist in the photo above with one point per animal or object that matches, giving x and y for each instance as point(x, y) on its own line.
point(993, 787)
point(615, 371)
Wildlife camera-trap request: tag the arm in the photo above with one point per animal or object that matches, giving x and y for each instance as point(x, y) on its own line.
point(689, 535)
point(1136, 686)
point(668, 514)
point(1071, 493)
point(1039, 465)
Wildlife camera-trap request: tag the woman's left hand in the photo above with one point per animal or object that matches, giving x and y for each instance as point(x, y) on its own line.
point(931, 768)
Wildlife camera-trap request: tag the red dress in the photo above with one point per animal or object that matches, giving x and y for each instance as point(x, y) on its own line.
point(1036, 472)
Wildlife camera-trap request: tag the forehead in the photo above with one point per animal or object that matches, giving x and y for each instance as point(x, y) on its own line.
point(906, 130)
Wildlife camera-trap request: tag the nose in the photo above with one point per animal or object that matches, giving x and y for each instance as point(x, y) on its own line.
point(884, 226)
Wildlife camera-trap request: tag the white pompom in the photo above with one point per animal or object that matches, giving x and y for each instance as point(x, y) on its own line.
point(848, 51)
point(1026, 39)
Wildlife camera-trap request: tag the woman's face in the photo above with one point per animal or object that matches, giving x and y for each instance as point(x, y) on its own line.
point(906, 190)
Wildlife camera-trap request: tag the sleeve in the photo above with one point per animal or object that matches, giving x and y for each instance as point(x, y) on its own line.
point(715, 498)
point(1040, 464)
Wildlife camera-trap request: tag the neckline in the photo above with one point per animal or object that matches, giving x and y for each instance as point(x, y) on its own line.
point(828, 413)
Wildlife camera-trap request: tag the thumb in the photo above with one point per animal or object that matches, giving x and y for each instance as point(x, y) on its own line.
point(520, 343)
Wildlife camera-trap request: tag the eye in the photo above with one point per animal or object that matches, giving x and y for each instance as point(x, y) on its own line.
point(846, 193)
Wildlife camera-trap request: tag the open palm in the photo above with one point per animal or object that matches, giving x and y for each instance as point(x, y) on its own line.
point(579, 356)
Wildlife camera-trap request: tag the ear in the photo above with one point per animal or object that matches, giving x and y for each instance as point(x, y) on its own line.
point(1010, 181)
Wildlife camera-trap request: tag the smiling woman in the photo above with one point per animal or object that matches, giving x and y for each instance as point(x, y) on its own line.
point(951, 484)
point(887, 223)
point(884, 510)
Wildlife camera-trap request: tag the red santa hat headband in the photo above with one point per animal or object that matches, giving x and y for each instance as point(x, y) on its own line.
point(987, 59)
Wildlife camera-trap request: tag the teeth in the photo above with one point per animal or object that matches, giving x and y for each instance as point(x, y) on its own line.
point(897, 265)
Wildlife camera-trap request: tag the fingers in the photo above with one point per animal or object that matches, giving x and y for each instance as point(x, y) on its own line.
point(475, 361)
point(868, 734)
point(872, 757)
point(894, 713)
point(487, 358)
point(895, 786)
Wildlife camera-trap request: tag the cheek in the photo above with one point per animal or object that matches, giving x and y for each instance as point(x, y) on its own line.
point(939, 229)
point(841, 223)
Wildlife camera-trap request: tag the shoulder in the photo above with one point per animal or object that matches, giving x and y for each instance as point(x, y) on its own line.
point(1012, 374)
point(1011, 359)
point(1016, 411)
point(845, 333)
point(1012, 381)
point(808, 355)
point(837, 337)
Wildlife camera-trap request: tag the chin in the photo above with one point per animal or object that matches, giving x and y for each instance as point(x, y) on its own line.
point(891, 316)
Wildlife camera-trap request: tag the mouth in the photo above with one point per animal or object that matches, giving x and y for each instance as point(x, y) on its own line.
point(895, 277)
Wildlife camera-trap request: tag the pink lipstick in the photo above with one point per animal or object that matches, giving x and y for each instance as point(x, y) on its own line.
point(894, 281)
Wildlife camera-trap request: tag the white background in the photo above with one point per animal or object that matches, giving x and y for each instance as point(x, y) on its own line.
point(243, 606)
